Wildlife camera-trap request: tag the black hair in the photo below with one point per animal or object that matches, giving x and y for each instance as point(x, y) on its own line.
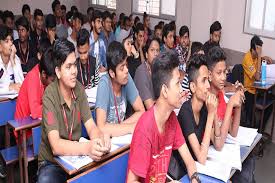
point(44, 45)
point(61, 49)
point(131, 16)
point(116, 54)
point(173, 24)
point(46, 63)
point(183, 30)
point(37, 12)
point(74, 9)
point(106, 14)
point(161, 23)
point(82, 37)
point(255, 41)
point(113, 15)
point(69, 16)
point(77, 15)
point(162, 69)
point(149, 42)
point(139, 27)
point(1, 15)
point(63, 7)
point(121, 17)
point(90, 9)
point(194, 65)
point(207, 47)
point(125, 19)
point(23, 21)
point(25, 8)
point(166, 29)
point(216, 26)
point(196, 47)
point(5, 32)
point(215, 55)
point(145, 15)
point(54, 4)
point(97, 14)
point(137, 19)
point(157, 27)
point(50, 21)
point(7, 14)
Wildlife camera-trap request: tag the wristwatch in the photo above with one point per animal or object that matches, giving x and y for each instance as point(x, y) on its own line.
point(196, 177)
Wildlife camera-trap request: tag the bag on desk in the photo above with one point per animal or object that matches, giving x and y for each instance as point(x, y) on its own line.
point(176, 167)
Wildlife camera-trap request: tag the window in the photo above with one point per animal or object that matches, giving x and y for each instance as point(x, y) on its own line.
point(109, 4)
point(162, 8)
point(260, 17)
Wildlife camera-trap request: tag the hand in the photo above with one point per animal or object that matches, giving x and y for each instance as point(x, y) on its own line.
point(211, 103)
point(268, 59)
point(239, 86)
point(237, 99)
point(95, 149)
point(15, 86)
point(107, 142)
point(259, 51)
point(12, 55)
point(141, 45)
point(184, 96)
point(102, 69)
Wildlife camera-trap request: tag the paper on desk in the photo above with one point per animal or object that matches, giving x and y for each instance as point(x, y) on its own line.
point(91, 94)
point(12, 94)
point(270, 70)
point(245, 136)
point(122, 140)
point(214, 169)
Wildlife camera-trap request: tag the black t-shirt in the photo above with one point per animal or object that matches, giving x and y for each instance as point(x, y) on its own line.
point(133, 64)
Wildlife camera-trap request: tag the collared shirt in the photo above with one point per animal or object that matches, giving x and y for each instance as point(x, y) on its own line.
point(100, 53)
point(182, 54)
point(35, 38)
point(107, 40)
point(53, 117)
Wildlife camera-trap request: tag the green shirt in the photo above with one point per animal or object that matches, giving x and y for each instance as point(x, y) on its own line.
point(53, 116)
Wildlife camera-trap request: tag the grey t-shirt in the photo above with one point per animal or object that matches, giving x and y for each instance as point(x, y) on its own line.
point(105, 98)
point(143, 81)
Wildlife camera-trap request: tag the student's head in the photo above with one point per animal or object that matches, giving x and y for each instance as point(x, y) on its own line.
point(128, 43)
point(168, 35)
point(65, 62)
point(43, 46)
point(26, 11)
point(6, 40)
point(173, 24)
point(83, 45)
point(117, 64)
point(198, 77)
point(215, 32)
point(139, 34)
point(161, 24)
point(63, 10)
point(56, 8)
point(50, 24)
point(158, 31)
point(121, 16)
point(137, 20)
point(46, 67)
point(97, 22)
point(184, 36)
point(146, 20)
point(131, 17)
point(166, 79)
point(69, 16)
point(38, 19)
point(152, 48)
point(197, 48)
point(8, 17)
point(126, 23)
point(74, 9)
point(255, 45)
point(217, 68)
point(77, 21)
point(114, 18)
point(23, 27)
point(207, 47)
point(1, 17)
point(107, 21)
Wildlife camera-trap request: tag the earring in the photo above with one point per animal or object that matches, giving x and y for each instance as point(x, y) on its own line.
point(209, 80)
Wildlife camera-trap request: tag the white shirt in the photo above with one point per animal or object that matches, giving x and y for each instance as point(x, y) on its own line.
point(11, 74)
point(75, 45)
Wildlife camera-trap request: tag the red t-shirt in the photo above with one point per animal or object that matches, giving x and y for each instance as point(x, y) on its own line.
point(221, 106)
point(150, 151)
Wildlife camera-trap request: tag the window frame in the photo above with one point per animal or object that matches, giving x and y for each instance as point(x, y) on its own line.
point(102, 7)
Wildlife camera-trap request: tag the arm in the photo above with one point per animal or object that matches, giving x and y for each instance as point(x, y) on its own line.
point(35, 100)
point(132, 178)
point(236, 122)
point(149, 103)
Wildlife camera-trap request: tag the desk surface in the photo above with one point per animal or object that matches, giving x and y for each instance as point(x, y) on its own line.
point(71, 170)
point(269, 84)
point(24, 123)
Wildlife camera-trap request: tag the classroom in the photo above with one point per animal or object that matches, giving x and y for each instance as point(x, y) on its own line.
point(129, 91)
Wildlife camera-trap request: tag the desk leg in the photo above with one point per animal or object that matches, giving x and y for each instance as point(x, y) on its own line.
point(254, 111)
point(7, 136)
point(272, 127)
point(262, 114)
point(20, 157)
point(25, 157)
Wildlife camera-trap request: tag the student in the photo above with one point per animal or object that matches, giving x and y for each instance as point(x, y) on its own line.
point(196, 116)
point(114, 22)
point(77, 21)
point(158, 32)
point(38, 33)
point(228, 115)
point(97, 46)
point(88, 74)
point(167, 38)
point(252, 71)
point(215, 36)
point(146, 23)
point(26, 48)
point(26, 12)
point(61, 29)
point(114, 90)
point(63, 11)
point(11, 75)
point(139, 41)
point(50, 24)
point(125, 29)
point(65, 105)
point(143, 79)
point(107, 34)
point(157, 132)
point(8, 19)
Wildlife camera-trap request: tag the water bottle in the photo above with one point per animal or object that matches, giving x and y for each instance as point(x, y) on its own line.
point(263, 72)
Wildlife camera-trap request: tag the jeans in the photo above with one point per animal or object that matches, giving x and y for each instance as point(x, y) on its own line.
point(50, 173)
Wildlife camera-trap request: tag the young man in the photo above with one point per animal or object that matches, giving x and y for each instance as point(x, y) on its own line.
point(65, 107)
point(139, 41)
point(252, 72)
point(8, 19)
point(97, 46)
point(125, 29)
point(50, 24)
point(107, 34)
point(114, 90)
point(38, 33)
point(215, 36)
point(167, 38)
point(61, 29)
point(143, 79)
point(26, 12)
point(11, 75)
point(88, 74)
point(157, 132)
point(158, 32)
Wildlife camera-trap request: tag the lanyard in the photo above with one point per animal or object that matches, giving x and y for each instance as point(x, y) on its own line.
point(116, 108)
point(87, 75)
point(24, 57)
point(70, 132)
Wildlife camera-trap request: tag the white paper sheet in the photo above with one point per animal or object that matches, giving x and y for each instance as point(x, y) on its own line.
point(91, 94)
point(122, 140)
point(9, 94)
point(245, 136)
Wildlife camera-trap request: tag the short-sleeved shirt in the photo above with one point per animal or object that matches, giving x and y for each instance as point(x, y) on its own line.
point(250, 68)
point(151, 150)
point(53, 117)
point(143, 81)
point(221, 106)
point(105, 98)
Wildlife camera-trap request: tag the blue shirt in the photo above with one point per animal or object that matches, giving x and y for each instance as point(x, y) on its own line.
point(107, 40)
point(101, 55)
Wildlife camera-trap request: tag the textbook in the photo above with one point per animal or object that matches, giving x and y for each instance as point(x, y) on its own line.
point(122, 140)
point(245, 136)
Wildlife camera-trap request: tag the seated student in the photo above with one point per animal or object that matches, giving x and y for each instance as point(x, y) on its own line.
point(167, 38)
point(26, 48)
point(139, 41)
point(107, 34)
point(215, 36)
point(50, 24)
point(147, 31)
point(61, 29)
point(125, 29)
point(143, 78)
point(65, 107)
point(197, 115)
point(252, 72)
point(158, 32)
point(26, 12)
point(11, 75)
point(228, 115)
point(157, 132)
point(8, 19)
point(88, 74)
point(114, 90)
point(77, 21)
